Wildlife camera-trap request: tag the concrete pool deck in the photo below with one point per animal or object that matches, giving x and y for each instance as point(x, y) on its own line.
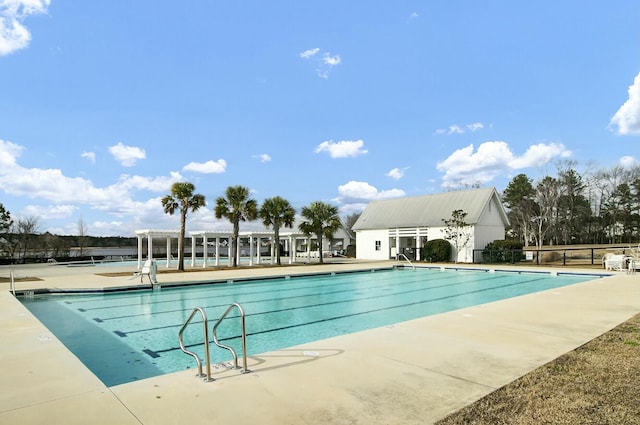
point(414, 372)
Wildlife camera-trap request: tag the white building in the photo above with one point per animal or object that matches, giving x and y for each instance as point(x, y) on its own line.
point(403, 225)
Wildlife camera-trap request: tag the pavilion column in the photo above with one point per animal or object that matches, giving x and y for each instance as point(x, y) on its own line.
point(149, 247)
point(274, 245)
point(217, 251)
point(292, 249)
point(139, 251)
point(238, 252)
point(258, 247)
point(169, 250)
point(250, 250)
point(205, 250)
point(397, 242)
point(193, 250)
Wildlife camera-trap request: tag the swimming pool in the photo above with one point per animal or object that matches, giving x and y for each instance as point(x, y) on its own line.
point(126, 336)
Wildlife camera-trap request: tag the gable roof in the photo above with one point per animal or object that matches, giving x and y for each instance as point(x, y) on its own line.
point(427, 210)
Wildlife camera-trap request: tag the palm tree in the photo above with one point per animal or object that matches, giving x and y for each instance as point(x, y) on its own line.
point(184, 200)
point(277, 212)
point(236, 207)
point(321, 220)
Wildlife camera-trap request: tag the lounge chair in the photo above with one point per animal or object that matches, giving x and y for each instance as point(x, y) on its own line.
point(148, 269)
point(614, 262)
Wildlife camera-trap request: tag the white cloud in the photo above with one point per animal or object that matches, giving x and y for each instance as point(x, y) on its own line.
point(397, 173)
point(629, 162)
point(52, 185)
point(309, 53)
point(475, 126)
point(457, 129)
point(342, 149)
point(127, 156)
point(627, 118)
point(466, 167)
point(209, 167)
point(329, 60)
point(413, 15)
point(13, 34)
point(68, 194)
point(324, 62)
point(9, 152)
point(152, 184)
point(91, 156)
point(263, 157)
point(50, 212)
point(355, 192)
point(540, 154)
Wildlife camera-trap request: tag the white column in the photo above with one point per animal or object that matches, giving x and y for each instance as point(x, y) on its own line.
point(205, 250)
point(259, 248)
point(168, 250)
point(193, 250)
point(292, 249)
point(274, 245)
point(139, 251)
point(238, 252)
point(217, 251)
point(251, 250)
point(149, 247)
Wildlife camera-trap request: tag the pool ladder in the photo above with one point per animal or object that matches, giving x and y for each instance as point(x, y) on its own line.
point(400, 256)
point(205, 330)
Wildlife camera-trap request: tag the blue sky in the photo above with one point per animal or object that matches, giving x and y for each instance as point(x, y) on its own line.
point(105, 103)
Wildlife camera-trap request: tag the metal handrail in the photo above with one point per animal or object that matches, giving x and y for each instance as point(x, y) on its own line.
point(244, 338)
point(205, 326)
point(12, 283)
point(408, 261)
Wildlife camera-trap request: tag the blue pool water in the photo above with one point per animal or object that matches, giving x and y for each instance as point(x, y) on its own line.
point(126, 336)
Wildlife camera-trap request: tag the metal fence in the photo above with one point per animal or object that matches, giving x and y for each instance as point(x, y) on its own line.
point(550, 256)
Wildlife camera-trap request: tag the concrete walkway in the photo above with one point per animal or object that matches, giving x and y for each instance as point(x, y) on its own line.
point(414, 372)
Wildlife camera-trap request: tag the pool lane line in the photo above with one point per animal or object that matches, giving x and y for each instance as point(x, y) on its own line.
point(230, 283)
point(303, 307)
point(291, 286)
point(314, 294)
point(157, 353)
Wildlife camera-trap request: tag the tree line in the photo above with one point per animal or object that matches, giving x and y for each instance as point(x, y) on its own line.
point(594, 207)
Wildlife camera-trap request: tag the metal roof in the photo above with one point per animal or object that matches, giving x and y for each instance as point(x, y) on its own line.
point(427, 210)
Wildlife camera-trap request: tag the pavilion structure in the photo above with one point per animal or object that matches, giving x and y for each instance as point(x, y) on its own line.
point(149, 234)
point(215, 240)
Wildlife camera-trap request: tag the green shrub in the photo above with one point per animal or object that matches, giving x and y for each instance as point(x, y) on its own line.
point(351, 251)
point(503, 251)
point(436, 250)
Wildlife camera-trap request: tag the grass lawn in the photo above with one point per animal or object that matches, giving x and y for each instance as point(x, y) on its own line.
point(597, 383)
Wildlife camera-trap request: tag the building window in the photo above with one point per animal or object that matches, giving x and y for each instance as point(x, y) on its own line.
point(378, 246)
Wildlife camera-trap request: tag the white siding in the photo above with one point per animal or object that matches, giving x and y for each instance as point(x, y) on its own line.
point(490, 225)
point(366, 245)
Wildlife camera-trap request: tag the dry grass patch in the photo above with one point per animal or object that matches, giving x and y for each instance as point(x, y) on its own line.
point(598, 383)
point(19, 279)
